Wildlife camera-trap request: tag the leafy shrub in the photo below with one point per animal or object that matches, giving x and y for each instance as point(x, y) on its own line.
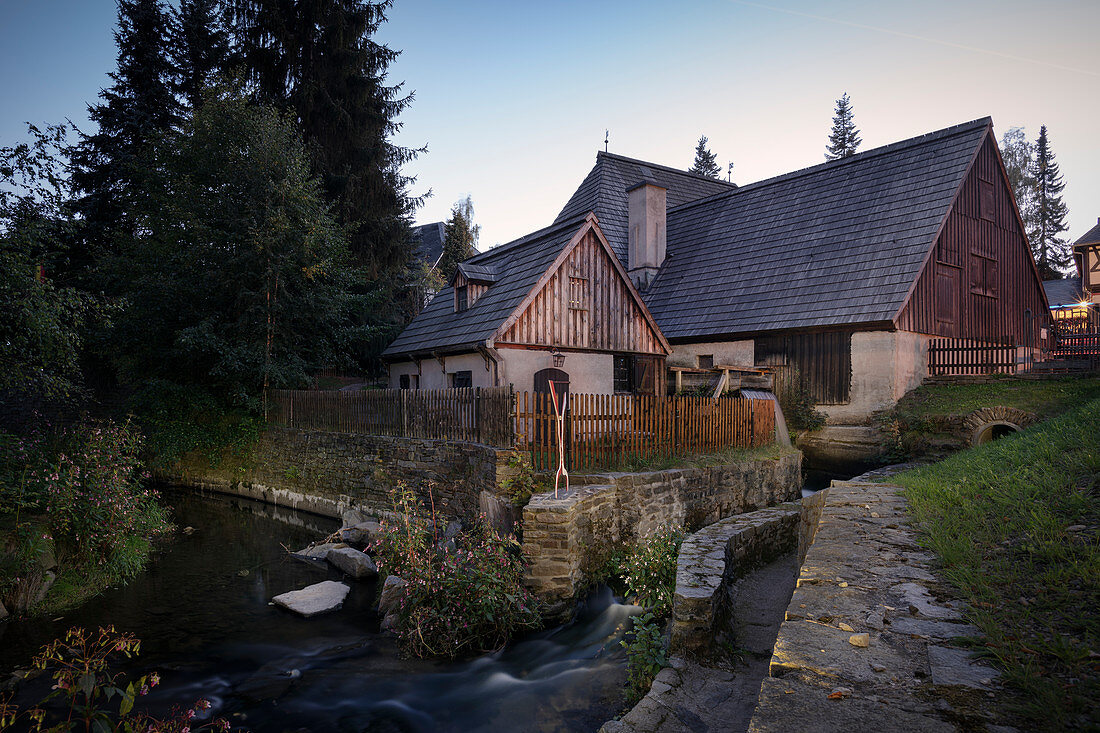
point(80, 665)
point(523, 481)
point(645, 657)
point(799, 409)
point(649, 569)
point(461, 598)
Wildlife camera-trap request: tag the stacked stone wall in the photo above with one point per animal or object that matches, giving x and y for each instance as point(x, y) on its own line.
point(327, 473)
point(558, 533)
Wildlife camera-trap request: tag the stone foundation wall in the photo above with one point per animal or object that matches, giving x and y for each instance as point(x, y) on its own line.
point(327, 473)
point(558, 533)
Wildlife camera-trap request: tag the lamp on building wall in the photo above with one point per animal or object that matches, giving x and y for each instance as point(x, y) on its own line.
point(558, 357)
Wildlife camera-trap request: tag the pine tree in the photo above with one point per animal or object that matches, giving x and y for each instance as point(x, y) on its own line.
point(200, 47)
point(135, 110)
point(319, 59)
point(705, 161)
point(844, 138)
point(1047, 212)
point(459, 238)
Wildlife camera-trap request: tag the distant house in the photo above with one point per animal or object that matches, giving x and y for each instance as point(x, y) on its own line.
point(428, 241)
point(1075, 300)
point(842, 272)
point(1086, 256)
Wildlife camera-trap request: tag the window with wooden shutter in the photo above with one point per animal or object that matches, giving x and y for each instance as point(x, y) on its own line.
point(983, 275)
point(947, 294)
point(985, 199)
point(624, 374)
point(645, 376)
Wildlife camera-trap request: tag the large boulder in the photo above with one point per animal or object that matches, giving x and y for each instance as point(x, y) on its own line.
point(353, 562)
point(362, 533)
point(314, 599)
point(391, 593)
point(319, 552)
point(353, 517)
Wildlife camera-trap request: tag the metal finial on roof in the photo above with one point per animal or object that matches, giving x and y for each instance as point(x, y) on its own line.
point(606, 137)
point(729, 173)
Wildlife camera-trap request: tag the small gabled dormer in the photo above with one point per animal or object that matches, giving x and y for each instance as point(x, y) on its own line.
point(470, 282)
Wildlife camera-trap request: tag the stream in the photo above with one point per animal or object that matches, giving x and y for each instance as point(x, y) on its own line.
point(201, 610)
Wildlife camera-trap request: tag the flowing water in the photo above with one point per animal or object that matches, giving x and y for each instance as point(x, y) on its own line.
point(201, 610)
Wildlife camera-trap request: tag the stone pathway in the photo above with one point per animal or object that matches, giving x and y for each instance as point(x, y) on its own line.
point(695, 696)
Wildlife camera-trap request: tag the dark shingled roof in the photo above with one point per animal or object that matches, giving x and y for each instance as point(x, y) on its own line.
point(477, 273)
point(518, 266)
point(1092, 236)
point(428, 239)
point(604, 192)
point(836, 244)
point(1066, 291)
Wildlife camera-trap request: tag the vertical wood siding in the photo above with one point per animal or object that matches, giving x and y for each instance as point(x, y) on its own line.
point(585, 305)
point(979, 282)
point(823, 362)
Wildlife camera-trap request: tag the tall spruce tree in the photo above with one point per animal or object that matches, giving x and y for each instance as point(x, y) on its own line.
point(705, 161)
point(1047, 212)
point(135, 109)
point(844, 138)
point(319, 58)
point(459, 238)
point(200, 47)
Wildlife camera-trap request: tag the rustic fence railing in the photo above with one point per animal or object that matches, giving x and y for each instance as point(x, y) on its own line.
point(967, 356)
point(474, 414)
point(1077, 347)
point(607, 430)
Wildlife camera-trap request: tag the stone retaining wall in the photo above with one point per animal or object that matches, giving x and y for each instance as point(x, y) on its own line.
point(558, 532)
point(327, 473)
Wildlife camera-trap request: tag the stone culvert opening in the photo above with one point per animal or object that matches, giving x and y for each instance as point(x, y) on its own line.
point(991, 423)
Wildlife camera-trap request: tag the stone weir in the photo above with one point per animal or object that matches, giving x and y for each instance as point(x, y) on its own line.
point(559, 532)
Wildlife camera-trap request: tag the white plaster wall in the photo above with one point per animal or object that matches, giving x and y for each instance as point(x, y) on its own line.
point(885, 365)
point(433, 376)
point(739, 353)
point(911, 365)
point(588, 373)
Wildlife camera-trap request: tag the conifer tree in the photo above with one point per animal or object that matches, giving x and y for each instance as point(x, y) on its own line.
point(705, 161)
point(200, 47)
point(138, 107)
point(319, 58)
point(844, 138)
point(1047, 212)
point(459, 238)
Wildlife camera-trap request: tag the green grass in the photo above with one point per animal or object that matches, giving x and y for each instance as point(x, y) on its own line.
point(1045, 398)
point(649, 462)
point(999, 517)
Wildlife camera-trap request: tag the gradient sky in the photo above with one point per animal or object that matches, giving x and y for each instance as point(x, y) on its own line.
point(512, 98)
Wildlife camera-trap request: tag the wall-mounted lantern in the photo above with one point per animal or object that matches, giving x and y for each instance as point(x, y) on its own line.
point(559, 358)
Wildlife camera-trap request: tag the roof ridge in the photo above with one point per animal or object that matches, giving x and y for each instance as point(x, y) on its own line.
point(670, 169)
point(873, 152)
point(526, 238)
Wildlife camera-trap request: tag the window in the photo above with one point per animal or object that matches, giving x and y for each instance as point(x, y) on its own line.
point(983, 275)
point(985, 199)
point(461, 302)
point(462, 379)
point(577, 288)
point(404, 381)
point(624, 373)
point(706, 361)
point(947, 294)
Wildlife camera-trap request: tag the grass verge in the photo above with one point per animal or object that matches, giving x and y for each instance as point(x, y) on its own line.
point(649, 462)
point(1016, 524)
point(1046, 398)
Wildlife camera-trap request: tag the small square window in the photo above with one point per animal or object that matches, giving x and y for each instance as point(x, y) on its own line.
point(404, 381)
point(624, 373)
point(462, 379)
point(461, 302)
point(706, 361)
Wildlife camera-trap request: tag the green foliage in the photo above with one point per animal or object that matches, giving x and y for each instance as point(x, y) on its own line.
point(799, 408)
point(87, 696)
point(844, 137)
point(523, 482)
point(1016, 524)
point(649, 569)
point(1047, 212)
point(1017, 153)
point(705, 161)
point(463, 599)
point(459, 238)
point(646, 656)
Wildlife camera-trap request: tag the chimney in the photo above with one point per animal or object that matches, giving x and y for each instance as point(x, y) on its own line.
point(645, 232)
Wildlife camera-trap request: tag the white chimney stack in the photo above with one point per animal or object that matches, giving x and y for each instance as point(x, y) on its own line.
point(645, 232)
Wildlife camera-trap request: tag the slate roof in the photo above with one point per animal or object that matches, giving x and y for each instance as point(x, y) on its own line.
point(1092, 236)
point(429, 241)
point(604, 192)
point(1066, 291)
point(478, 273)
point(517, 265)
point(836, 244)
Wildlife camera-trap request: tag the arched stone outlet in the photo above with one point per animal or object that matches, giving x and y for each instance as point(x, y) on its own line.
point(990, 423)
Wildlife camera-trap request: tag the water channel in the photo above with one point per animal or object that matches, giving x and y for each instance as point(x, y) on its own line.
point(201, 610)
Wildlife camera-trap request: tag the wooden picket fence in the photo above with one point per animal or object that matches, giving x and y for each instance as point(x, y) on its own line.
point(603, 431)
point(967, 356)
point(474, 414)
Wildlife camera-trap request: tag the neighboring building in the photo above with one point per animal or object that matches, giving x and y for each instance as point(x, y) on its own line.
point(1086, 255)
point(428, 239)
point(1075, 300)
point(843, 272)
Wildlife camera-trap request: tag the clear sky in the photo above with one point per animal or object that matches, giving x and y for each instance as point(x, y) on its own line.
point(512, 98)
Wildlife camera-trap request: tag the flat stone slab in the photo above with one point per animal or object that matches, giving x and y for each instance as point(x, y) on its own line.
point(314, 599)
point(318, 552)
point(952, 666)
point(351, 561)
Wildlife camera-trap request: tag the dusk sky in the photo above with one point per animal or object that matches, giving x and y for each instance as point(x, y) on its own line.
point(512, 98)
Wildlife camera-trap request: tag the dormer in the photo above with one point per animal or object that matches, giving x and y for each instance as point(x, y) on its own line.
point(470, 281)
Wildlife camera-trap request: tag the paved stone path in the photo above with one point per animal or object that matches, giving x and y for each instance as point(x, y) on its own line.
point(720, 694)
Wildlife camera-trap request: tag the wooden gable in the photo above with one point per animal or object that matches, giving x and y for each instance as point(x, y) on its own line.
point(979, 280)
point(584, 301)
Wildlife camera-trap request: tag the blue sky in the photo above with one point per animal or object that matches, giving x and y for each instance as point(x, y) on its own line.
point(512, 98)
